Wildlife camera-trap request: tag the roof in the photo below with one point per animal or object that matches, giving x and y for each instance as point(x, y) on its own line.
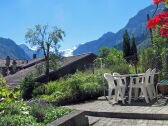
point(19, 62)
point(15, 78)
point(32, 62)
point(22, 63)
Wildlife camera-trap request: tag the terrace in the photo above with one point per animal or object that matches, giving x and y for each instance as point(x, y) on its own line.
point(100, 112)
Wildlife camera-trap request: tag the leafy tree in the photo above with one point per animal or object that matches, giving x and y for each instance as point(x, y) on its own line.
point(126, 46)
point(103, 52)
point(159, 48)
point(134, 54)
point(43, 39)
point(111, 56)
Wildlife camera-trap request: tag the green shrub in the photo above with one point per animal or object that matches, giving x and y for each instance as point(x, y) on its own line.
point(74, 88)
point(27, 86)
point(54, 113)
point(19, 114)
point(19, 120)
point(122, 68)
point(2, 81)
point(48, 113)
point(51, 87)
point(12, 109)
point(5, 92)
point(39, 90)
point(8, 96)
point(38, 111)
point(15, 107)
point(30, 88)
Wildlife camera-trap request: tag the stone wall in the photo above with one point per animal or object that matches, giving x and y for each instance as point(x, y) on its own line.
point(76, 118)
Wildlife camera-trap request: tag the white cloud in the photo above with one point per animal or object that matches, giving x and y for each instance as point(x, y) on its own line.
point(68, 52)
point(33, 48)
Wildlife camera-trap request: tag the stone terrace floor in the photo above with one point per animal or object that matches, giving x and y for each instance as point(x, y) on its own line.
point(102, 121)
point(101, 113)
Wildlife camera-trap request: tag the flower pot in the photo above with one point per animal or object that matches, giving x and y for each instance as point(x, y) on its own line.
point(163, 89)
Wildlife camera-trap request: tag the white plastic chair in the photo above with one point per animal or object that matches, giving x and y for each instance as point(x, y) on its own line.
point(150, 85)
point(140, 82)
point(112, 86)
point(121, 82)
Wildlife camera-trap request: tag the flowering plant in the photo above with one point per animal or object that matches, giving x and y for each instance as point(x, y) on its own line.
point(158, 1)
point(160, 20)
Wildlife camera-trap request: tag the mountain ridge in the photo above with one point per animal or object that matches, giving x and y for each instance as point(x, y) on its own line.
point(136, 26)
point(9, 48)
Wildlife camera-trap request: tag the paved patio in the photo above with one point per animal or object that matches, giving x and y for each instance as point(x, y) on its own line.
point(138, 113)
point(102, 105)
point(101, 121)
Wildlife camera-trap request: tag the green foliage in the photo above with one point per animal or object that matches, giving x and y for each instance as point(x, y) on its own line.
point(134, 54)
point(12, 109)
point(113, 57)
point(159, 42)
point(43, 39)
point(16, 113)
point(16, 108)
point(19, 113)
point(114, 60)
point(104, 52)
point(39, 69)
point(74, 88)
point(7, 95)
point(2, 81)
point(27, 86)
point(147, 59)
point(53, 61)
point(30, 88)
point(133, 47)
point(48, 113)
point(160, 49)
point(39, 89)
point(154, 57)
point(38, 111)
point(121, 68)
point(19, 120)
point(54, 113)
point(126, 46)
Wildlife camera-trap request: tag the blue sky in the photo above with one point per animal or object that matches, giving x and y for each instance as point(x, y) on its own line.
point(82, 20)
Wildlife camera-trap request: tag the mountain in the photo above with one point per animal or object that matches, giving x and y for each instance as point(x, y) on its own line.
point(67, 52)
point(39, 53)
point(93, 46)
point(30, 52)
point(136, 26)
point(27, 50)
point(9, 48)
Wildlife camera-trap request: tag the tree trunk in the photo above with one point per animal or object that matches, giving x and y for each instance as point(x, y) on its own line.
point(47, 63)
point(47, 68)
point(136, 70)
point(150, 30)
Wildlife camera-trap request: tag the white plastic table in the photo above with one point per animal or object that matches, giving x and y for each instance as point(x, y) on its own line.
point(129, 76)
point(132, 75)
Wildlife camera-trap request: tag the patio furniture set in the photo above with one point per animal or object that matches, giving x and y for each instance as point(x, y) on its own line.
point(138, 85)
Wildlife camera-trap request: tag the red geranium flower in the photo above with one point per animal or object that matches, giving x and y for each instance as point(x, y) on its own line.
point(153, 22)
point(164, 30)
point(160, 19)
point(158, 1)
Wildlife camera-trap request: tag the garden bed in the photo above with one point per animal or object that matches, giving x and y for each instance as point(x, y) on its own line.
point(19, 113)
